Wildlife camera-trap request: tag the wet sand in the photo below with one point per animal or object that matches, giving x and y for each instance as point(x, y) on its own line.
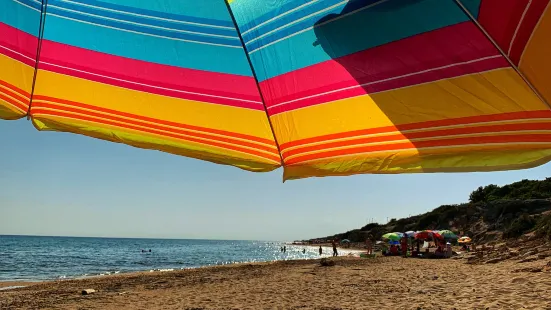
point(353, 283)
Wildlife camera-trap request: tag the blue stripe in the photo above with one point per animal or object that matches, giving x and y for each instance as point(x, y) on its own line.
point(305, 24)
point(253, 13)
point(291, 17)
point(145, 20)
point(147, 48)
point(144, 29)
point(19, 16)
point(381, 24)
point(31, 3)
point(189, 11)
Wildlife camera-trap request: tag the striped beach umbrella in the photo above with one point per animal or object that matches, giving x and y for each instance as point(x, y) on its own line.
point(320, 88)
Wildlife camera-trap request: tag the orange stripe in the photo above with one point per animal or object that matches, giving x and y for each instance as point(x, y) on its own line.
point(15, 103)
point(18, 96)
point(153, 120)
point(15, 89)
point(153, 131)
point(423, 125)
point(421, 135)
point(523, 138)
point(138, 123)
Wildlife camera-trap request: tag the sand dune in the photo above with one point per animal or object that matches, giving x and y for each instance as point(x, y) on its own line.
point(353, 283)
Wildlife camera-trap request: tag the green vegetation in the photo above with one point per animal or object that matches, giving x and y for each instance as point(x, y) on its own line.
point(510, 211)
point(525, 189)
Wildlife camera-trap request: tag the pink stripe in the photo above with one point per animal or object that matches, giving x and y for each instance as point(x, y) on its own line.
point(6, 51)
point(443, 47)
point(157, 75)
point(19, 41)
point(431, 76)
point(149, 89)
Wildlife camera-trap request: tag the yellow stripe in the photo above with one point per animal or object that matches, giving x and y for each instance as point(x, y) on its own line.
point(16, 73)
point(535, 62)
point(19, 75)
point(497, 91)
point(405, 140)
point(8, 112)
point(182, 111)
point(151, 141)
point(405, 132)
point(39, 115)
point(413, 161)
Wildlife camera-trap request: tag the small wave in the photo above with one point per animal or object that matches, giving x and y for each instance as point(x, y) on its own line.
point(10, 287)
point(162, 270)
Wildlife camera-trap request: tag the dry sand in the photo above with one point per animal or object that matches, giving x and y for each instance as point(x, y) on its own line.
point(353, 283)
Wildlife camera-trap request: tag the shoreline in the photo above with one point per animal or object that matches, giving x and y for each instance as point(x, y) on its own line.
point(4, 284)
point(153, 273)
point(353, 283)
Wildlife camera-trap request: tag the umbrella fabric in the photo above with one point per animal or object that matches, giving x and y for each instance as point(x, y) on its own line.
point(300, 84)
point(447, 234)
point(410, 234)
point(345, 241)
point(464, 239)
point(392, 236)
point(427, 234)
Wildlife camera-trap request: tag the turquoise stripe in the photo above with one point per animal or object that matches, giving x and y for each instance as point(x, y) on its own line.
point(473, 6)
point(147, 48)
point(210, 9)
point(249, 13)
point(19, 16)
point(384, 23)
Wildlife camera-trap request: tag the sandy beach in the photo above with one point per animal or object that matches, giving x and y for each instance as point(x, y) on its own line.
point(353, 283)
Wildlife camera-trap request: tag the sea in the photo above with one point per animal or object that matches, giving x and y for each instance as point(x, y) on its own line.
point(37, 258)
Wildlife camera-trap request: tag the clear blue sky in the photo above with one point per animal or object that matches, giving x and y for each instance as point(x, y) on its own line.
point(63, 184)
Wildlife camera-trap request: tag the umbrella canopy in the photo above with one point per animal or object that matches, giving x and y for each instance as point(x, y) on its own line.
point(464, 239)
point(345, 241)
point(303, 85)
point(447, 234)
point(427, 234)
point(410, 234)
point(392, 236)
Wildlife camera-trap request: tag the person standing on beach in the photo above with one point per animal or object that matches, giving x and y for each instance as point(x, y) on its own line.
point(404, 244)
point(335, 253)
point(284, 249)
point(321, 251)
point(369, 244)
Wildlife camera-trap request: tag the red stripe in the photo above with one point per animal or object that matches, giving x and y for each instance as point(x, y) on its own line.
point(11, 54)
point(424, 144)
point(534, 14)
point(17, 90)
point(37, 98)
point(421, 135)
point(14, 92)
point(449, 45)
point(38, 105)
point(152, 131)
point(19, 41)
point(12, 102)
point(157, 75)
point(500, 18)
point(527, 115)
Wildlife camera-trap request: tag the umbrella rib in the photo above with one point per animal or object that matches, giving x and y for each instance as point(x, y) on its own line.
point(44, 4)
point(475, 21)
point(228, 7)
